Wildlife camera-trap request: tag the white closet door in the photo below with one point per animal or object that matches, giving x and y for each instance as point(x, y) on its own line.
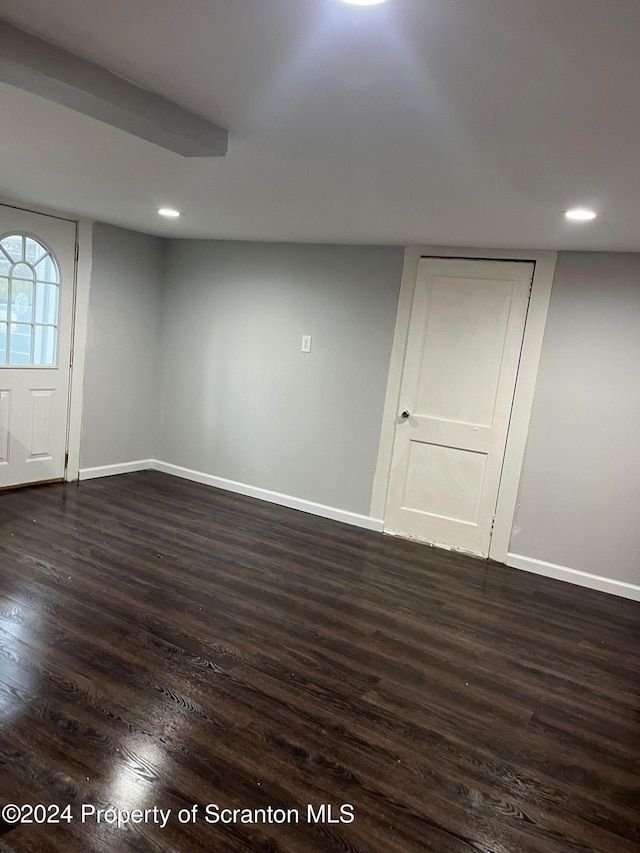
point(461, 364)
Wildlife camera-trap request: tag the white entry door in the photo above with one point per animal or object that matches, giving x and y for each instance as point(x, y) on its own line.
point(37, 258)
point(461, 364)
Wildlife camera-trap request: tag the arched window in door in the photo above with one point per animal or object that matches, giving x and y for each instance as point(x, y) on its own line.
point(29, 298)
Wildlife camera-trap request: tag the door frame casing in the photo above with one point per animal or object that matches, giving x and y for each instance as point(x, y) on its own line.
point(80, 319)
point(525, 383)
point(79, 345)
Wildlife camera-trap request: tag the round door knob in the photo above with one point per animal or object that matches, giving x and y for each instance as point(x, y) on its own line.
point(406, 415)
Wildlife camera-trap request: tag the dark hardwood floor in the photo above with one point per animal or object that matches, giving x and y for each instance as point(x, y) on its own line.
point(164, 644)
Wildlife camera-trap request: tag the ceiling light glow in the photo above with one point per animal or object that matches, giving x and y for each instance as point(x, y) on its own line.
point(363, 2)
point(169, 212)
point(580, 214)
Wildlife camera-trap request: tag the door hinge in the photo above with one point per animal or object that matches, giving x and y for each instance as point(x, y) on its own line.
point(77, 251)
point(493, 523)
point(66, 459)
point(71, 359)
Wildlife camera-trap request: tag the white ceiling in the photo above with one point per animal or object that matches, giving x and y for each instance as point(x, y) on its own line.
point(457, 122)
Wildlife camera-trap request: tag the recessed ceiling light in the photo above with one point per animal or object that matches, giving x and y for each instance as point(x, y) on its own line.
point(170, 212)
point(580, 214)
point(363, 2)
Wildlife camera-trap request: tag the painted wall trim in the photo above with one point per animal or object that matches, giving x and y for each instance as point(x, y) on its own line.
point(119, 468)
point(322, 510)
point(574, 576)
point(523, 400)
point(516, 561)
point(78, 344)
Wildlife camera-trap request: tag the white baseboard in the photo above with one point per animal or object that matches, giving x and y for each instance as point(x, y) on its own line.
point(562, 573)
point(110, 470)
point(516, 561)
point(331, 512)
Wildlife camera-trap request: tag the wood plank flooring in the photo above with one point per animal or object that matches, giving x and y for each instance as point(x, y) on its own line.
point(166, 644)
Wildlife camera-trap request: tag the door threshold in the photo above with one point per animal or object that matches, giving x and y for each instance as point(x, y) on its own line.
point(32, 483)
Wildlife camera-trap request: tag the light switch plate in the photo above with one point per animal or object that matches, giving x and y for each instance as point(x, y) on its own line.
point(306, 343)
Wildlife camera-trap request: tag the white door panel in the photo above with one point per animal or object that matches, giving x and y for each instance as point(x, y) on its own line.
point(37, 260)
point(461, 363)
point(41, 421)
point(5, 422)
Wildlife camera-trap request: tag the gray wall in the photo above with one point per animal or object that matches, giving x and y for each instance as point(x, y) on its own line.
point(221, 348)
point(241, 401)
point(122, 380)
point(579, 502)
